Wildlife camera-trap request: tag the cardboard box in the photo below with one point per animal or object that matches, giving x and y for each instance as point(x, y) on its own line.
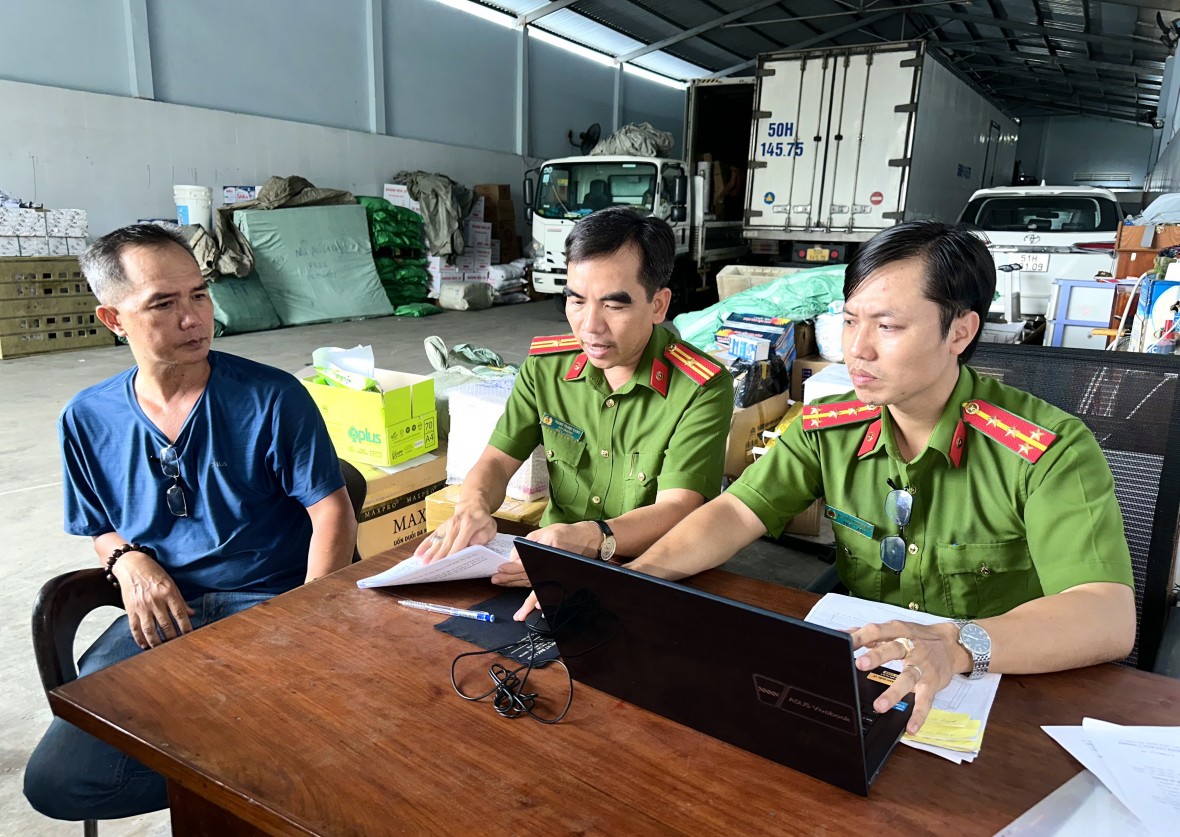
point(75, 246)
point(379, 428)
point(399, 195)
point(477, 234)
point(496, 251)
point(394, 512)
point(238, 194)
point(477, 209)
point(735, 278)
point(33, 245)
point(831, 380)
point(494, 191)
point(803, 369)
point(63, 223)
point(745, 431)
point(749, 349)
point(474, 258)
point(440, 507)
point(9, 245)
point(780, 337)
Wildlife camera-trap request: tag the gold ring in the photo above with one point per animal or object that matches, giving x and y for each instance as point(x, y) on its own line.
point(915, 668)
point(906, 643)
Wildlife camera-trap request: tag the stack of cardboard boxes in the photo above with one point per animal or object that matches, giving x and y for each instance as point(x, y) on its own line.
point(46, 306)
point(500, 214)
point(38, 232)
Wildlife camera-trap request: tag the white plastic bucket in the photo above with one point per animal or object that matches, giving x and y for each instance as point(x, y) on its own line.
point(194, 205)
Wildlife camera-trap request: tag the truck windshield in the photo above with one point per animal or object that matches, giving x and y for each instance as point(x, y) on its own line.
point(571, 190)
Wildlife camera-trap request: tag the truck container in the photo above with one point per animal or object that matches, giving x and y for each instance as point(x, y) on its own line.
point(848, 141)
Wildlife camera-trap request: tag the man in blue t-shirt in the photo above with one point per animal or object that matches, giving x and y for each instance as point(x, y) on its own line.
point(206, 482)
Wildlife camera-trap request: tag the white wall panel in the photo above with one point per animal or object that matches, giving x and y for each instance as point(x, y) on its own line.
point(118, 158)
point(449, 76)
point(80, 44)
point(662, 106)
point(291, 59)
point(567, 93)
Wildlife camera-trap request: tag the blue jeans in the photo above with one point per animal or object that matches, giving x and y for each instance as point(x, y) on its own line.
point(74, 776)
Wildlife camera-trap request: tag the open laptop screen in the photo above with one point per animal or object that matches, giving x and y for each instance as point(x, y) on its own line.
point(768, 683)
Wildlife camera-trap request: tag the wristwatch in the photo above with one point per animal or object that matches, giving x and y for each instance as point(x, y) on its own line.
point(978, 644)
point(606, 550)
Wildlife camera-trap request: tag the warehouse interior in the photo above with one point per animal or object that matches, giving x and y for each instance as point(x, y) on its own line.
point(126, 111)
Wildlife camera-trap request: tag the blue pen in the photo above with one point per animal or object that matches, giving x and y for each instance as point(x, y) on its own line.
point(481, 615)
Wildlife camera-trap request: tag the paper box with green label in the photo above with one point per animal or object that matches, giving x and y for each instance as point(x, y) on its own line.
point(378, 428)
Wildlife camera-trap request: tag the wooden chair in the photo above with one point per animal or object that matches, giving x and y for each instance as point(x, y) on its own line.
point(65, 600)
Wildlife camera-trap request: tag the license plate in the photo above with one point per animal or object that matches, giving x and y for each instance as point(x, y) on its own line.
point(820, 254)
point(1033, 262)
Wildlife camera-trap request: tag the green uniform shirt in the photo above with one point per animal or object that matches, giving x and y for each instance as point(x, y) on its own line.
point(991, 533)
point(610, 452)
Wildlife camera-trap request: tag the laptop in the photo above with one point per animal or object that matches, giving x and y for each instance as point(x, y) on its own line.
point(776, 686)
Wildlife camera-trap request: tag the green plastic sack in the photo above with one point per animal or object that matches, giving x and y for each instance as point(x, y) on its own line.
point(797, 296)
point(416, 309)
point(241, 306)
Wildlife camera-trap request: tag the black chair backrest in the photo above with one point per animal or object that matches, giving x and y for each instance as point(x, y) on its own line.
point(61, 605)
point(354, 483)
point(1131, 402)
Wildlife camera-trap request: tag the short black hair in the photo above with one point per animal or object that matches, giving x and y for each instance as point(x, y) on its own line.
point(959, 271)
point(607, 231)
point(102, 263)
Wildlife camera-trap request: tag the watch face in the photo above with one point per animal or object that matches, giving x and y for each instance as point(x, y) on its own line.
point(975, 639)
point(607, 550)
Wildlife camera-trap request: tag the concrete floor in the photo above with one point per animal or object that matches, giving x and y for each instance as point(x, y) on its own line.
point(32, 392)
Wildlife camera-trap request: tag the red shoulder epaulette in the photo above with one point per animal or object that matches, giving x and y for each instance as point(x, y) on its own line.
point(1018, 435)
point(823, 416)
point(552, 345)
point(696, 366)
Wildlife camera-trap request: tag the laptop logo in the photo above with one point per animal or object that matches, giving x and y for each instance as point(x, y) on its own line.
point(805, 704)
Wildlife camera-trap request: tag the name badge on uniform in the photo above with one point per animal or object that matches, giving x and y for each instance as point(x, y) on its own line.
point(848, 521)
point(562, 427)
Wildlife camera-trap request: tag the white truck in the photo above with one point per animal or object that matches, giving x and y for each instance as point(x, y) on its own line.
point(563, 190)
point(848, 141)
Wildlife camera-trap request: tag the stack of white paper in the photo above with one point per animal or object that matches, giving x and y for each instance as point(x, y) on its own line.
point(963, 705)
point(474, 409)
point(1139, 766)
point(472, 562)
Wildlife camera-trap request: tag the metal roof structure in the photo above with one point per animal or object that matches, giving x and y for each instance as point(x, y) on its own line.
point(1035, 57)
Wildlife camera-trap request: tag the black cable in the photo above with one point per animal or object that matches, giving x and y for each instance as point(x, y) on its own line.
point(510, 698)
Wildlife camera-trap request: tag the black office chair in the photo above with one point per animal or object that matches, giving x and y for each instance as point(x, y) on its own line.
point(65, 600)
point(1131, 402)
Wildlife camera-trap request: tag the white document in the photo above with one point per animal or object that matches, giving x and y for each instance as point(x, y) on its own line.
point(1145, 762)
point(972, 697)
point(1082, 807)
point(472, 562)
point(1076, 742)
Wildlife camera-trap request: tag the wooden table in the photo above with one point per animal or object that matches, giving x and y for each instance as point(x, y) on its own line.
point(329, 711)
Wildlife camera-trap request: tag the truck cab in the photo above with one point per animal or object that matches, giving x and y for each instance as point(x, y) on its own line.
point(566, 189)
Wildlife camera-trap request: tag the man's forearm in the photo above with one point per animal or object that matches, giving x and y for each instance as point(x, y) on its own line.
point(705, 539)
point(1082, 626)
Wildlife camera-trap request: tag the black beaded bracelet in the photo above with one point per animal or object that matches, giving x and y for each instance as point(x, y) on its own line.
point(123, 550)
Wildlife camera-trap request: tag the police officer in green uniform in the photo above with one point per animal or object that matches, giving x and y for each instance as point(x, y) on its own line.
point(632, 420)
point(948, 492)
